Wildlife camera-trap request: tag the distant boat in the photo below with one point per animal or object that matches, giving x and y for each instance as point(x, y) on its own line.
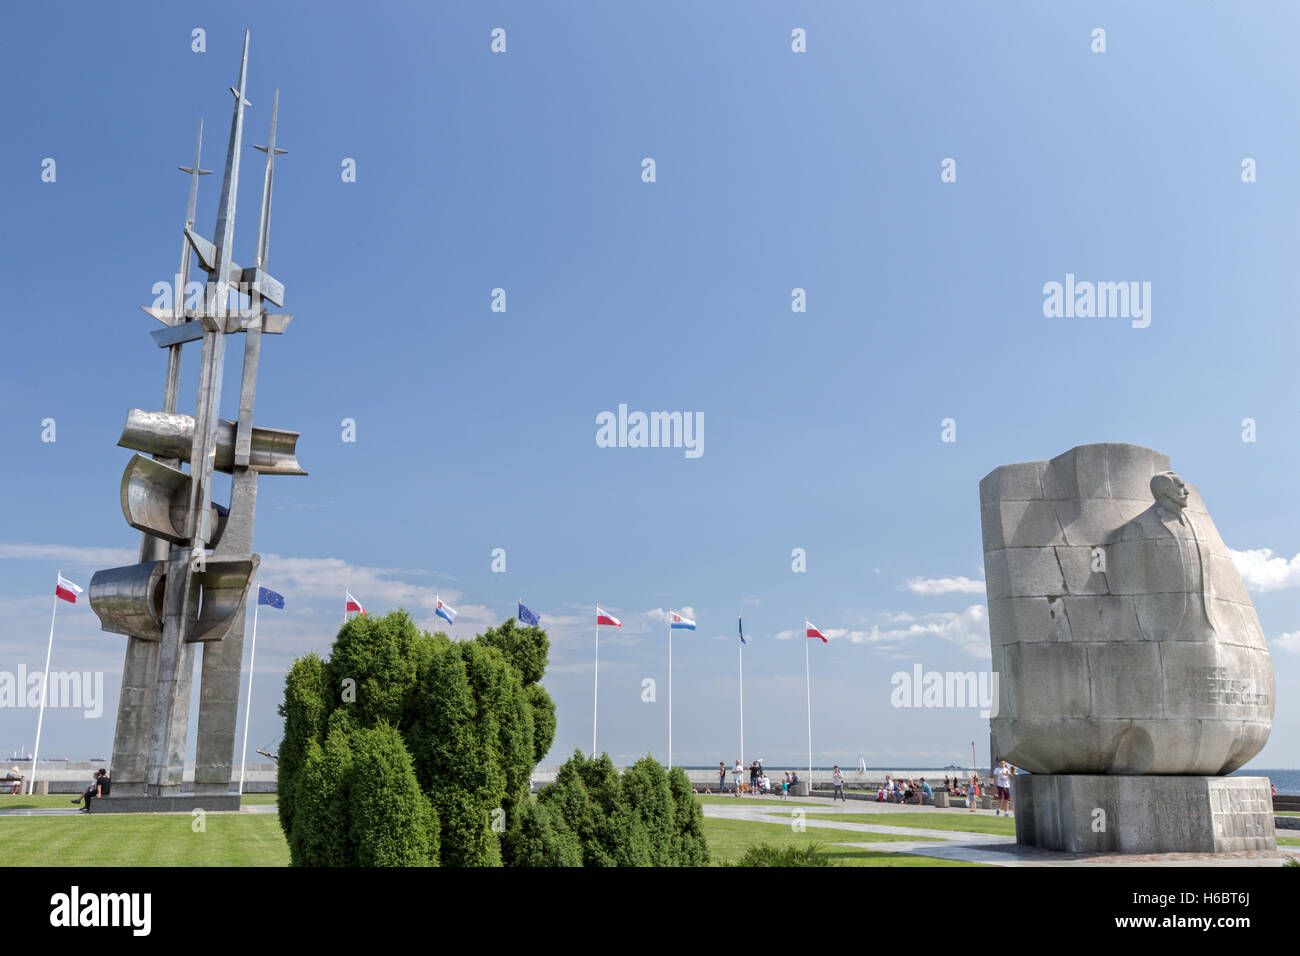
point(98, 759)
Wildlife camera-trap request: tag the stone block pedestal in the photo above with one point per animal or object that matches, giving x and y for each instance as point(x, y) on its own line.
point(180, 803)
point(1120, 813)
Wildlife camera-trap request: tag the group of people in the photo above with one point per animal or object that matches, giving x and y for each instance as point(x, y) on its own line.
point(893, 790)
point(759, 782)
point(1002, 774)
point(898, 790)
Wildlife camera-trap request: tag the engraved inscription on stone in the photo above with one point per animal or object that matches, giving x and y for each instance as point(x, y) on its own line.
point(1217, 687)
point(1240, 813)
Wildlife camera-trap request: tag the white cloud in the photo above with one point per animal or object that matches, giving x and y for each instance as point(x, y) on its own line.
point(969, 629)
point(1262, 571)
point(1288, 642)
point(951, 585)
point(70, 555)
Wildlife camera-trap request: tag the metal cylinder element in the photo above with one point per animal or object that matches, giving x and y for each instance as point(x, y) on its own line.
point(129, 600)
point(155, 498)
point(224, 587)
point(273, 451)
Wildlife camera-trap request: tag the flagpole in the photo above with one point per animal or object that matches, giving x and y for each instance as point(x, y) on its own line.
point(45, 680)
point(248, 707)
point(595, 693)
point(740, 651)
point(346, 592)
point(670, 688)
point(808, 693)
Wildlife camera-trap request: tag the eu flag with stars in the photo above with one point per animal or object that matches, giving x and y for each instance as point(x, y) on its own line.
point(528, 617)
point(267, 596)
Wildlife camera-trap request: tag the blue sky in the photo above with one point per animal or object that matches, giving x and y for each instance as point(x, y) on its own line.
point(774, 171)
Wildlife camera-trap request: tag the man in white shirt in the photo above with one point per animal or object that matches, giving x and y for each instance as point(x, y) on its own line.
point(1002, 780)
point(736, 775)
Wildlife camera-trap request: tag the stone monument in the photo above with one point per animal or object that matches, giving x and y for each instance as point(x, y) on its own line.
point(196, 560)
point(1133, 671)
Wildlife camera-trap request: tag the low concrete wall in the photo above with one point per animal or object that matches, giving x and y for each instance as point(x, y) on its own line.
point(74, 776)
point(182, 803)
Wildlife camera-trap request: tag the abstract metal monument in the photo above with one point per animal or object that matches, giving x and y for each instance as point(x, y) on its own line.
point(196, 559)
point(1133, 671)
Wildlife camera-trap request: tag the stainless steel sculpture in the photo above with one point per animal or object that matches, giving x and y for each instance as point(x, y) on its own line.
point(196, 560)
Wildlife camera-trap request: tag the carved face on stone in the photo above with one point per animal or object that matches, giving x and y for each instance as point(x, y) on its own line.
point(1170, 491)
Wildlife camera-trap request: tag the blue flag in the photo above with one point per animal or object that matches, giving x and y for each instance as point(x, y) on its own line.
point(267, 596)
point(741, 627)
point(528, 617)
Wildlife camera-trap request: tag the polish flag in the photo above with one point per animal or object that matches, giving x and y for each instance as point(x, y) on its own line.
point(67, 590)
point(608, 619)
point(352, 604)
point(811, 630)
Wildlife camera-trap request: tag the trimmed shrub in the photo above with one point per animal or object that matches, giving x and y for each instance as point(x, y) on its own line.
point(359, 803)
point(767, 855)
point(392, 823)
point(404, 748)
point(632, 820)
point(691, 848)
point(304, 711)
point(538, 836)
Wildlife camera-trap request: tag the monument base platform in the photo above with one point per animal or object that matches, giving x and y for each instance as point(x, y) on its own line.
point(180, 803)
point(1120, 813)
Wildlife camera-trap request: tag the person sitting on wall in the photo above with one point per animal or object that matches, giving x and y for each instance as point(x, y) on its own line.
point(99, 787)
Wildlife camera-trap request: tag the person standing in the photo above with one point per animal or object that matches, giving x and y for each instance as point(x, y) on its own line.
point(837, 779)
point(722, 777)
point(973, 791)
point(736, 778)
point(1002, 780)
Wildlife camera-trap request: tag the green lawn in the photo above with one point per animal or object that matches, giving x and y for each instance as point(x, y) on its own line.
point(1288, 841)
point(729, 839)
point(64, 801)
point(162, 840)
point(960, 821)
point(36, 802)
point(747, 801)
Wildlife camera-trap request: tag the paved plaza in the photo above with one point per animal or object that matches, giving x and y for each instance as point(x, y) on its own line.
point(993, 849)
